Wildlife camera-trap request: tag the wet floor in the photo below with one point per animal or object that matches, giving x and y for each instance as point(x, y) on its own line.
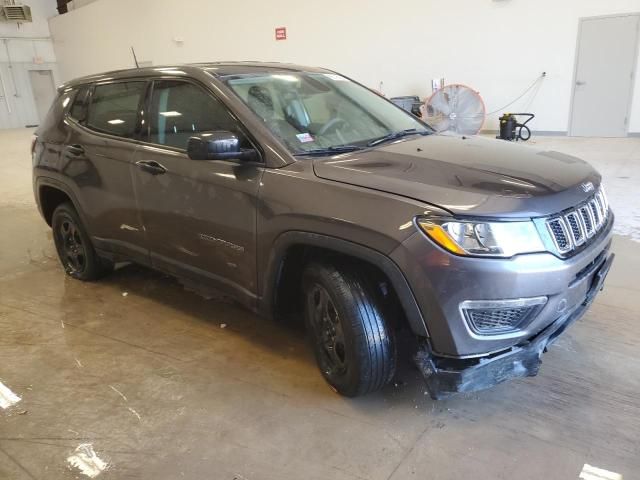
point(145, 373)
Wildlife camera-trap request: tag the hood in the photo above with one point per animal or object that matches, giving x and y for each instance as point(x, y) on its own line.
point(468, 175)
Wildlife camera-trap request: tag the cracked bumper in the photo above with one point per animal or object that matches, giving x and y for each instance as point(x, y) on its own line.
point(447, 376)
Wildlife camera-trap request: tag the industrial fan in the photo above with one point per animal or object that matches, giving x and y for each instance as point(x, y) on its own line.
point(455, 108)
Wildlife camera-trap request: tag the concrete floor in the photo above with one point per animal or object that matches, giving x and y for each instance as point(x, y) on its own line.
point(161, 391)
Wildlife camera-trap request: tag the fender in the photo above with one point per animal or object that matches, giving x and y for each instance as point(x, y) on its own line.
point(266, 302)
point(41, 181)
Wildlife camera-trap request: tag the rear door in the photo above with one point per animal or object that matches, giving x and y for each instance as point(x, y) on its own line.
point(103, 125)
point(199, 216)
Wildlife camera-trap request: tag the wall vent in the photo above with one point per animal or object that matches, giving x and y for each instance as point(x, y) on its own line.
point(15, 13)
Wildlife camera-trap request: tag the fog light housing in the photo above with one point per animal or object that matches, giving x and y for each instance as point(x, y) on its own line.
point(499, 317)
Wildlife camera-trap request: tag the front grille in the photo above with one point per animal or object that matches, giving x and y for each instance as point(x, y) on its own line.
point(575, 227)
point(493, 317)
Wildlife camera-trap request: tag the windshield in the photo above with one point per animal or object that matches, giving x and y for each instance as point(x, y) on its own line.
point(313, 112)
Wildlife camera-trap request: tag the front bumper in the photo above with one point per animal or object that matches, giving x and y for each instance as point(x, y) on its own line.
point(441, 282)
point(446, 376)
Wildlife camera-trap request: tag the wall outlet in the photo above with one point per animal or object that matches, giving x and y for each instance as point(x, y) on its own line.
point(437, 84)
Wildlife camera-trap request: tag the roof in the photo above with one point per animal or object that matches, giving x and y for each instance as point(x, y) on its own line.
point(218, 69)
point(235, 68)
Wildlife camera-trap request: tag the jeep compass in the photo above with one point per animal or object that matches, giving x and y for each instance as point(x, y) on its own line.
point(299, 192)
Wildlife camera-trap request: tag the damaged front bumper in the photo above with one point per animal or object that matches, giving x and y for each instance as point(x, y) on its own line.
point(447, 376)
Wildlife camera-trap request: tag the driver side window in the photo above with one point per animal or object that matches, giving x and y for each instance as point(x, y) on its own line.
point(179, 110)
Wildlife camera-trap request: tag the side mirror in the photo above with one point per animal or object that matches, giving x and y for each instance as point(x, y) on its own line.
point(219, 145)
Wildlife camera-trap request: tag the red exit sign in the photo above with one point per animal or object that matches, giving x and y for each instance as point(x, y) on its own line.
point(281, 33)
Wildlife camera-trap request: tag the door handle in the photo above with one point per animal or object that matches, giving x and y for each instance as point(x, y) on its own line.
point(75, 149)
point(151, 166)
point(580, 83)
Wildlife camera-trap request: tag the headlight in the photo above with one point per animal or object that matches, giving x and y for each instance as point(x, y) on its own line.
point(491, 239)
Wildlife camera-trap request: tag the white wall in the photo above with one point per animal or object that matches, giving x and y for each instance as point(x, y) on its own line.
point(498, 47)
point(24, 47)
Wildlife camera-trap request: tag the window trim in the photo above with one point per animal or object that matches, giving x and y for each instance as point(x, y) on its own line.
point(76, 91)
point(147, 105)
point(72, 92)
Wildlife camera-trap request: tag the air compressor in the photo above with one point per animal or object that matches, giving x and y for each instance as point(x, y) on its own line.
point(511, 129)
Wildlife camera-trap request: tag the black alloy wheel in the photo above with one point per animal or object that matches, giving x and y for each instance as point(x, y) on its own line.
point(74, 247)
point(354, 344)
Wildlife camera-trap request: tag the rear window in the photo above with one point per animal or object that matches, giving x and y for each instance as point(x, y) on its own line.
point(114, 108)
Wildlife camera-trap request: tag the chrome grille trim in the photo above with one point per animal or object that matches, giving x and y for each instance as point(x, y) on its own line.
point(605, 199)
point(560, 234)
point(601, 201)
point(575, 227)
point(597, 214)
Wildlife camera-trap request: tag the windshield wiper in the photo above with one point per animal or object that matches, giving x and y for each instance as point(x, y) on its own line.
point(395, 136)
point(331, 150)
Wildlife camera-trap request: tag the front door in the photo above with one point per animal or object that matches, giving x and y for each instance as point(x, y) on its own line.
point(607, 52)
point(199, 216)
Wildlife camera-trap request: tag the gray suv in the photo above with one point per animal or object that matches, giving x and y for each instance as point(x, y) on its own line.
point(301, 193)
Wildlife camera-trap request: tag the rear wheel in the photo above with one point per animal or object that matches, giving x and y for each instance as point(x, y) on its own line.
point(354, 347)
point(76, 253)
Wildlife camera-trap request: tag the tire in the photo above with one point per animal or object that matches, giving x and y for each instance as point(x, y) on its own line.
point(75, 250)
point(354, 346)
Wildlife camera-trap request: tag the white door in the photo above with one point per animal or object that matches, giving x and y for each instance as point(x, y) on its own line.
point(44, 91)
point(604, 76)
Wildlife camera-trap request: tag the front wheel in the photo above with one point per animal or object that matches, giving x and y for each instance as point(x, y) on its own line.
point(354, 346)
